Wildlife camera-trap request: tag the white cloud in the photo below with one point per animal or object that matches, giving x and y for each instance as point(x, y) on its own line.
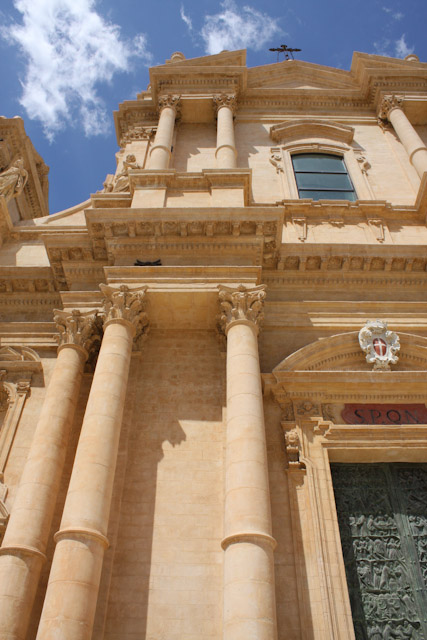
point(401, 48)
point(186, 18)
point(238, 27)
point(69, 50)
point(396, 15)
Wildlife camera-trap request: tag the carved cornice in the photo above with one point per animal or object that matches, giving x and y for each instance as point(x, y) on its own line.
point(124, 304)
point(172, 101)
point(241, 305)
point(80, 329)
point(225, 100)
point(389, 103)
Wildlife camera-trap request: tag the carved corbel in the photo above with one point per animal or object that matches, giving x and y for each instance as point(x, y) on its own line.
point(377, 227)
point(300, 226)
point(283, 400)
point(293, 448)
point(276, 159)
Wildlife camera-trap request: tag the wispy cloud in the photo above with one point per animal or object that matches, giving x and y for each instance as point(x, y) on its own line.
point(401, 48)
point(69, 50)
point(186, 18)
point(238, 27)
point(396, 15)
point(393, 48)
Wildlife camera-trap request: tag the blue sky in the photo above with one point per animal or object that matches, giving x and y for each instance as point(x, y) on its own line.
point(67, 64)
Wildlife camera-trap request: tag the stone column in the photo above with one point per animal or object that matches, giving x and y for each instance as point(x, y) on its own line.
point(23, 552)
point(226, 152)
point(249, 591)
point(162, 147)
point(392, 109)
point(70, 602)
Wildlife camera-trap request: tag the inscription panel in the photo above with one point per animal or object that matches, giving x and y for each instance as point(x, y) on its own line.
point(384, 414)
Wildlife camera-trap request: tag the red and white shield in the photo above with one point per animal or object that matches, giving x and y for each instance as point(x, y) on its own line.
point(380, 346)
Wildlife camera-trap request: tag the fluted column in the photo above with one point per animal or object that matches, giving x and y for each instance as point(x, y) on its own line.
point(226, 152)
point(162, 147)
point(392, 109)
point(72, 591)
point(23, 552)
point(249, 591)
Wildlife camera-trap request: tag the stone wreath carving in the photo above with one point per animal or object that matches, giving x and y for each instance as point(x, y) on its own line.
point(380, 345)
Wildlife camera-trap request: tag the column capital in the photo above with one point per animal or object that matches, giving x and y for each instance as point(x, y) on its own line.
point(122, 304)
point(241, 305)
point(170, 100)
point(78, 329)
point(388, 103)
point(225, 100)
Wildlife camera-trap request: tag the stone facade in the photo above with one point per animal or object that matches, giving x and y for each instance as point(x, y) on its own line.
point(167, 436)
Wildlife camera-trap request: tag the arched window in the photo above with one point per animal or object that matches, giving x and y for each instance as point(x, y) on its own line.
point(322, 176)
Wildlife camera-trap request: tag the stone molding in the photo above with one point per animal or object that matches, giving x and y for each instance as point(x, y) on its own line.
point(228, 100)
point(79, 329)
point(241, 305)
point(388, 103)
point(126, 305)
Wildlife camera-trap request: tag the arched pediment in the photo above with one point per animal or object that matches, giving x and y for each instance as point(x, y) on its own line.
point(342, 352)
point(19, 354)
point(334, 369)
point(310, 129)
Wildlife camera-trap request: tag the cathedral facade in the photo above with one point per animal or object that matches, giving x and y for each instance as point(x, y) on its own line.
point(213, 371)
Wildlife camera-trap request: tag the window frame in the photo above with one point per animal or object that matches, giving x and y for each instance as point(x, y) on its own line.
point(325, 191)
point(361, 187)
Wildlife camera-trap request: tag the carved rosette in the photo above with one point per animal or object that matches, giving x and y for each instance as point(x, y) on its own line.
point(122, 303)
point(79, 329)
point(225, 100)
point(172, 101)
point(387, 104)
point(241, 305)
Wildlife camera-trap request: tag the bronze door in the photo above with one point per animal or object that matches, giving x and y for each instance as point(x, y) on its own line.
point(382, 515)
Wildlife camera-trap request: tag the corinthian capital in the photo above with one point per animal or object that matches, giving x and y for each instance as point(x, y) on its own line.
point(170, 100)
point(122, 303)
point(241, 304)
point(387, 104)
point(78, 329)
point(225, 100)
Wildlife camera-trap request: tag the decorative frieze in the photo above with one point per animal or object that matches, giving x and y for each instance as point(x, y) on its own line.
point(137, 133)
point(241, 304)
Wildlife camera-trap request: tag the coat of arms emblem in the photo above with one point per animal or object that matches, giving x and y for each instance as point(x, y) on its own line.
point(380, 345)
